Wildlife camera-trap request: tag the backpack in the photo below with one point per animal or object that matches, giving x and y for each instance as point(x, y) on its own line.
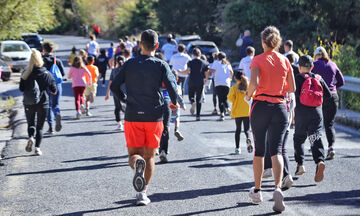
point(55, 71)
point(32, 94)
point(311, 93)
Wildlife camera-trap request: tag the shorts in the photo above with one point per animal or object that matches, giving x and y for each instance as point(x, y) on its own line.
point(143, 134)
point(91, 90)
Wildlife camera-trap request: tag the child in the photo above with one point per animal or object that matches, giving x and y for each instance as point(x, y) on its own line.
point(90, 91)
point(175, 114)
point(83, 54)
point(240, 110)
point(78, 74)
point(119, 62)
point(246, 61)
point(72, 56)
point(110, 52)
point(308, 116)
point(212, 83)
point(102, 62)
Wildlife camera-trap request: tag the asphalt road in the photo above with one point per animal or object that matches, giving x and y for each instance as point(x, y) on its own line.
point(84, 170)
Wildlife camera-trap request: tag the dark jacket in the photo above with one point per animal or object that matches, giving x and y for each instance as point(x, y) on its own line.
point(247, 41)
point(49, 61)
point(102, 63)
point(45, 81)
point(143, 77)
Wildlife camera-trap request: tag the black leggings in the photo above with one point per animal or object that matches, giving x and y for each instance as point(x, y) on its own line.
point(196, 91)
point(164, 142)
point(271, 120)
point(222, 92)
point(214, 92)
point(118, 108)
point(36, 111)
point(238, 121)
point(103, 76)
point(329, 110)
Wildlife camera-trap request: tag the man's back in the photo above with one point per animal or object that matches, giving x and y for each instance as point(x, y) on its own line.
point(179, 61)
point(168, 50)
point(247, 41)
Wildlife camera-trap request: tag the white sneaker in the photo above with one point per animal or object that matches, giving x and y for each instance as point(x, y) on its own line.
point(142, 199)
point(267, 173)
point(78, 115)
point(163, 157)
point(157, 152)
point(237, 151)
point(31, 142)
point(300, 170)
point(82, 108)
point(139, 181)
point(192, 109)
point(287, 182)
point(278, 196)
point(38, 152)
point(120, 127)
point(256, 198)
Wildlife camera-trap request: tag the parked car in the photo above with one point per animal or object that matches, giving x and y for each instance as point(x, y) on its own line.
point(206, 47)
point(186, 39)
point(33, 40)
point(5, 70)
point(16, 54)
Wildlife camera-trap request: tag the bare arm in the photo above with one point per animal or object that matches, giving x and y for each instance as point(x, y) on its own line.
point(185, 72)
point(253, 82)
point(108, 91)
point(291, 87)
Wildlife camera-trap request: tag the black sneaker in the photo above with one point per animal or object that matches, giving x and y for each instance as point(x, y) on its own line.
point(330, 154)
point(50, 131)
point(139, 182)
point(179, 136)
point(214, 112)
point(58, 125)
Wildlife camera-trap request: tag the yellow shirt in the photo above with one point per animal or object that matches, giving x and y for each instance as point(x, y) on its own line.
point(94, 72)
point(239, 107)
point(71, 58)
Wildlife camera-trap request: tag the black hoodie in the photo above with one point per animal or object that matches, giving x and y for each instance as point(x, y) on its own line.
point(45, 81)
point(49, 61)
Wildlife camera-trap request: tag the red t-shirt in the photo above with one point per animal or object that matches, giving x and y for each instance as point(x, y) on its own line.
point(274, 70)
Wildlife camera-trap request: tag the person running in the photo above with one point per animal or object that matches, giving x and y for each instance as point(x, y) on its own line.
point(102, 62)
point(93, 47)
point(288, 47)
point(223, 74)
point(243, 42)
point(333, 77)
point(128, 43)
point(245, 62)
point(90, 91)
point(83, 55)
point(207, 84)
point(72, 55)
point(168, 49)
point(79, 74)
point(127, 54)
point(311, 90)
point(215, 58)
point(54, 100)
point(271, 78)
point(110, 52)
point(120, 60)
point(240, 110)
point(197, 70)
point(179, 62)
point(35, 82)
point(143, 77)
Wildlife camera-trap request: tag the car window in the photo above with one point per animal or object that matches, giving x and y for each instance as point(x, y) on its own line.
point(15, 48)
point(205, 49)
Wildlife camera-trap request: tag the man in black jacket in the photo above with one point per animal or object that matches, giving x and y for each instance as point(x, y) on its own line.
point(143, 77)
point(54, 100)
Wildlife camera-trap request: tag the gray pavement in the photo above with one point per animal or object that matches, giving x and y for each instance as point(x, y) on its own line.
point(84, 169)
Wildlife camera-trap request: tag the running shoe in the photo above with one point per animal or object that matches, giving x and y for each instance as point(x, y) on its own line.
point(82, 108)
point(142, 199)
point(237, 151)
point(300, 169)
point(28, 147)
point(192, 109)
point(250, 148)
point(88, 113)
point(139, 180)
point(197, 118)
point(38, 152)
point(157, 152)
point(278, 196)
point(287, 182)
point(228, 111)
point(120, 127)
point(163, 157)
point(50, 131)
point(267, 173)
point(58, 125)
point(222, 117)
point(202, 100)
point(319, 175)
point(179, 136)
point(256, 198)
point(214, 112)
point(78, 115)
point(330, 154)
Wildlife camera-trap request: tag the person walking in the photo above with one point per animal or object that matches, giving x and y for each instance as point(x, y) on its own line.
point(240, 110)
point(102, 62)
point(243, 42)
point(35, 82)
point(54, 100)
point(143, 77)
point(211, 75)
point(168, 49)
point(223, 74)
point(288, 48)
point(90, 91)
point(110, 55)
point(244, 64)
point(72, 55)
point(93, 47)
point(79, 74)
point(271, 78)
point(333, 77)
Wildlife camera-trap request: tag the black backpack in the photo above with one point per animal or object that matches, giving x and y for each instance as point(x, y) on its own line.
point(32, 93)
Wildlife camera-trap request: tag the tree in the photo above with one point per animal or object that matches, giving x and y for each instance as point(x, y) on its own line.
point(143, 17)
point(19, 16)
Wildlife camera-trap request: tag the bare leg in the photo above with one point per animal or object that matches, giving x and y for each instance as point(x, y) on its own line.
point(258, 167)
point(87, 102)
point(148, 154)
point(278, 166)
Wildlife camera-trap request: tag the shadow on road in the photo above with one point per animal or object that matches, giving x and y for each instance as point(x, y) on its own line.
point(239, 205)
point(249, 162)
point(201, 159)
point(100, 158)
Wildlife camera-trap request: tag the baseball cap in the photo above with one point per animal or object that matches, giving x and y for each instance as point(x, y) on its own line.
point(149, 38)
point(319, 51)
point(305, 61)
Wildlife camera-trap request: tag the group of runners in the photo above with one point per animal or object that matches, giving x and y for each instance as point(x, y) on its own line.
point(271, 92)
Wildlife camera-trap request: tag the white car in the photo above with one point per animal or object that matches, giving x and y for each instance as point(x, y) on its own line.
point(15, 53)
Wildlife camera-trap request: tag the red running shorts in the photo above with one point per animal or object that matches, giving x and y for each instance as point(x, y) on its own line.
point(143, 134)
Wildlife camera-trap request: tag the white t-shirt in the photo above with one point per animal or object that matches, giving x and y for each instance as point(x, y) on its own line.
point(168, 50)
point(222, 73)
point(179, 62)
point(245, 65)
point(295, 54)
point(129, 45)
point(93, 46)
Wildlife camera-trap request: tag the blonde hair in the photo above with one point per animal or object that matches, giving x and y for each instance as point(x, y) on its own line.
point(271, 37)
point(35, 60)
point(323, 54)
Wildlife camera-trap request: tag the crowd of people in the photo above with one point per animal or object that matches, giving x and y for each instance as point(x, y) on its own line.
point(272, 92)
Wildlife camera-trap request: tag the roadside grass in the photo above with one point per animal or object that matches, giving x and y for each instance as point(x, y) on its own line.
point(6, 104)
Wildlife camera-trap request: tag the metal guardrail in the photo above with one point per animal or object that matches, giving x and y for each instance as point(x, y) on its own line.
point(352, 84)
